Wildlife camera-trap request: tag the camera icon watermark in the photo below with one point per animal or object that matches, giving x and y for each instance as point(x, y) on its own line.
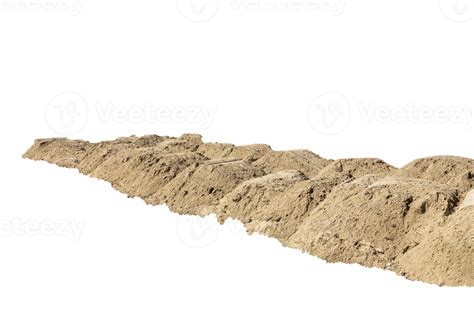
point(197, 232)
point(457, 10)
point(330, 113)
point(198, 10)
point(67, 113)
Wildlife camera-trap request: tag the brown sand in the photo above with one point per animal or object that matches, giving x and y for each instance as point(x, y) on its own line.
point(416, 221)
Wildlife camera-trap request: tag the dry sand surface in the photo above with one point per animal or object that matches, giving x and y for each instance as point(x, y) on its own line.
point(416, 221)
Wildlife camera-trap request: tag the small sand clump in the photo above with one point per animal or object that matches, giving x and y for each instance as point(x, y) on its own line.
point(416, 221)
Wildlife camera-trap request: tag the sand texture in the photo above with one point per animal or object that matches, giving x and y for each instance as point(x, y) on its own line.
point(416, 221)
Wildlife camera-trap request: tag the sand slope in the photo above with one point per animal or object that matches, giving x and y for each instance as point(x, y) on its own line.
point(416, 221)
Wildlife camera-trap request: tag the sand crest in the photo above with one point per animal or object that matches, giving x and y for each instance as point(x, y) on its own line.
point(416, 221)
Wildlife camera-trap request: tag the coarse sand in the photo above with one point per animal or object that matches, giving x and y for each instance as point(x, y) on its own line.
point(416, 221)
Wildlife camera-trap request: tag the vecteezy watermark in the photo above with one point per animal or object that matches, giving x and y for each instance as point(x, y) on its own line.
point(335, 7)
point(198, 10)
point(72, 7)
point(457, 10)
point(204, 10)
point(64, 228)
point(199, 115)
point(67, 113)
point(197, 232)
point(329, 113)
point(416, 114)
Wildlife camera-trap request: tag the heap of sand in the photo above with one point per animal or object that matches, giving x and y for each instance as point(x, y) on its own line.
point(416, 221)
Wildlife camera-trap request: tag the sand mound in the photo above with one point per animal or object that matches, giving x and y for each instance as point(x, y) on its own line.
point(246, 152)
point(458, 172)
point(276, 204)
point(248, 201)
point(371, 222)
point(357, 167)
point(201, 186)
point(444, 256)
point(141, 171)
point(416, 221)
point(303, 160)
point(59, 151)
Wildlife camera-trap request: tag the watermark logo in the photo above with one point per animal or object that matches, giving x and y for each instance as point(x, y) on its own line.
point(67, 113)
point(72, 7)
point(329, 113)
point(204, 10)
point(196, 115)
point(457, 10)
point(416, 114)
point(63, 228)
point(197, 232)
point(198, 10)
point(334, 7)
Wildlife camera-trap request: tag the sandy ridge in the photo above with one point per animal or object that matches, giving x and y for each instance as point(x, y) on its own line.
point(416, 220)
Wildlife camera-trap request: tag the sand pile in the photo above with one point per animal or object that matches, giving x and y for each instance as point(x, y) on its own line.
point(416, 221)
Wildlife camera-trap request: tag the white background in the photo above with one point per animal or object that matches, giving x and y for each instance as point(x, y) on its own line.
point(356, 79)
